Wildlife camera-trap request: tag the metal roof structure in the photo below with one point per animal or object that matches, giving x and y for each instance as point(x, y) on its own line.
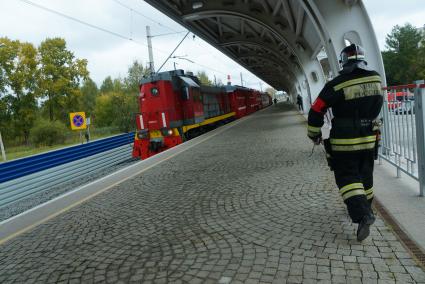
point(279, 40)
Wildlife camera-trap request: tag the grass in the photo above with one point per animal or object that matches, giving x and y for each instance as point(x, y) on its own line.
point(21, 151)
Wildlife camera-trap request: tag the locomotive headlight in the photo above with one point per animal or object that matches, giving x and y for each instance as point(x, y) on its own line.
point(167, 132)
point(154, 91)
point(142, 134)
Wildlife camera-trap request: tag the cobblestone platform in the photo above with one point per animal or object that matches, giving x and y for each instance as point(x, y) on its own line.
point(246, 206)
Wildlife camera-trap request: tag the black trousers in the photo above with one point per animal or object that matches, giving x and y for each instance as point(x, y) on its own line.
point(354, 177)
point(300, 106)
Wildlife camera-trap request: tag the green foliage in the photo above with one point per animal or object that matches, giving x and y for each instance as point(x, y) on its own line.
point(60, 77)
point(135, 72)
point(49, 82)
point(117, 104)
point(203, 78)
point(403, 39)
point(107, 85)
point(403, 58)
point(116, 109)
point(89, 93)
point(19, 74)
point(48, 133)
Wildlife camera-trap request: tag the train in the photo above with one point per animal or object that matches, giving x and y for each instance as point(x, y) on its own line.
point(174, 107)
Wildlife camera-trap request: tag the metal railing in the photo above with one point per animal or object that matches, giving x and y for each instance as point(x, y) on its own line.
point(23, 177)
point(25, 166)
point(402, 142)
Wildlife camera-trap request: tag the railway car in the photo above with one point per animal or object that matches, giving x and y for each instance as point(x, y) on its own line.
point(174, 106)
point(239, 97)
point(266, 100)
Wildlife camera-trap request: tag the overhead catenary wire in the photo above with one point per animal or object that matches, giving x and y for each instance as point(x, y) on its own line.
point(146, 17)
point(79, 21)
point(87, 24)
point(31, 3)
point(225, 64)
point(171, 54)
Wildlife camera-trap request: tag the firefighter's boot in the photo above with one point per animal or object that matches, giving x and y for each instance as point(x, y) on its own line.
point(363, 230)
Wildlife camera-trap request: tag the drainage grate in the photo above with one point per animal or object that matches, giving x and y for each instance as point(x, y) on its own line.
point(414, 249)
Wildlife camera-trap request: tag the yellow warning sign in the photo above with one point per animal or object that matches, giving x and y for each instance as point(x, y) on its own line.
point(78, 120)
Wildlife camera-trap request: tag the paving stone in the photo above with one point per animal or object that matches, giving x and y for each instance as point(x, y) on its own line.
point(339, 279)
point(369, 281)
point(354, 280)
point(295, 279)
point(233, 207)
point(338, 271)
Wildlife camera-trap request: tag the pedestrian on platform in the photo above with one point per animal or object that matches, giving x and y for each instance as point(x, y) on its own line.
point(356, 100)
point(300, 103)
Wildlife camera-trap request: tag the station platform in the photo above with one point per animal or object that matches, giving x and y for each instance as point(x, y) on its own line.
point(245, 203)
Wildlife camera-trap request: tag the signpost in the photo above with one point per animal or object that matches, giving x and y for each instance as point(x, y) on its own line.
point(3, 153)
point(88, 129)
point(78, 122)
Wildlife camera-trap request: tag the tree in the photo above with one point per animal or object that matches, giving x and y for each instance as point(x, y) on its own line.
point(60, 77)
point(89, 93)
point(117, 103)
point(135, 73)
point(116, 109)
point(19, 71)
point(203, 78)
point(401, 59)
point(118, 85)
point(103, 110)
point(107, 85)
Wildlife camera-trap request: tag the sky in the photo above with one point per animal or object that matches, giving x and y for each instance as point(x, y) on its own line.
point(109, 54)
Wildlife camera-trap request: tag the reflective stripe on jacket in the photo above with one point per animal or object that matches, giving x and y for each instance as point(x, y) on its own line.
point(356, 100)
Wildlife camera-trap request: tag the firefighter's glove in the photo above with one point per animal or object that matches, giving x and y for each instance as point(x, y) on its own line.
point(317, 140)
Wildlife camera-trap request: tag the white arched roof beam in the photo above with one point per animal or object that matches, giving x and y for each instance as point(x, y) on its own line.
point(297, 29)
point(337, 20)
point(267, 49)
point(307, 67)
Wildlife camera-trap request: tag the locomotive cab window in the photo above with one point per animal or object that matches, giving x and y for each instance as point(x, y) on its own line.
point(185, 93)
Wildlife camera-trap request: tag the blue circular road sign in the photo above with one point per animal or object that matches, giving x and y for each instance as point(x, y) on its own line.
point(78, 120)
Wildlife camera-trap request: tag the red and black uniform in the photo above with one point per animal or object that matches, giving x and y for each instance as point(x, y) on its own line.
point(356, 100)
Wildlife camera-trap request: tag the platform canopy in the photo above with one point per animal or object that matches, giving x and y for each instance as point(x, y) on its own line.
point(280, 40)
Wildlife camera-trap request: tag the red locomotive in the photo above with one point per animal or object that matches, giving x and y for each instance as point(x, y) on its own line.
point(175, 106)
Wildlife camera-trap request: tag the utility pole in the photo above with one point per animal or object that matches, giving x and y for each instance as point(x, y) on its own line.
point(149, 37)
point(3, 152)
point(241, 80)
point(261, 86)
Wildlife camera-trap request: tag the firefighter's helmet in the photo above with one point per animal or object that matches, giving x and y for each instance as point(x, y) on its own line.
point(351, 54)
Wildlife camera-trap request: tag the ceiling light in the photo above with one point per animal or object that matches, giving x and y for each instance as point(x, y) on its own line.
point(197, 5)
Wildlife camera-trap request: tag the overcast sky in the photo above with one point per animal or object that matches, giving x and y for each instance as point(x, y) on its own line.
point(111, 55)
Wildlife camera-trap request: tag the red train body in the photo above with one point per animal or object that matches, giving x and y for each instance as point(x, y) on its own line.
point(174, 107)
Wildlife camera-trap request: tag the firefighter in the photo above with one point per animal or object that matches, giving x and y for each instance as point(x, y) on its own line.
point(356, 100)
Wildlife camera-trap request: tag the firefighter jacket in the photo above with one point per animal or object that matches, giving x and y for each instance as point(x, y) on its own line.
point(356, 100)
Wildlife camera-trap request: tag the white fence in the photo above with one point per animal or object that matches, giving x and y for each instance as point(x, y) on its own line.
point(403, 143)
